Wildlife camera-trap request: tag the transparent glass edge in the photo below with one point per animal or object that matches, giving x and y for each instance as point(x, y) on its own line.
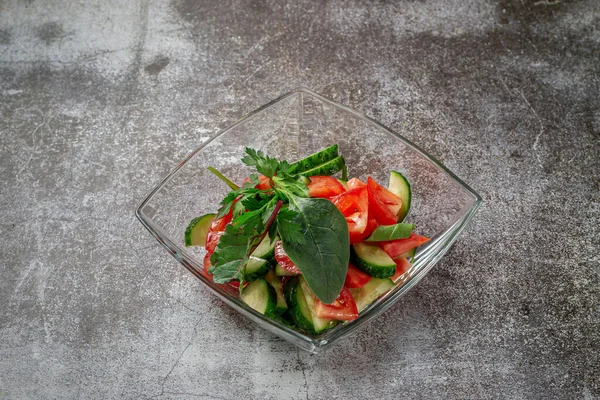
point(314, 344)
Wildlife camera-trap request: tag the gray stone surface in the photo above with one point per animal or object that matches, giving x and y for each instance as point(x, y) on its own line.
point(100, 100)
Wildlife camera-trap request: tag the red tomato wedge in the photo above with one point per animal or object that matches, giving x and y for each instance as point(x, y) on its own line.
point(216, 229)
point(355, 278)
point(402, 265)
point(354, 206)
point(342, 309)
point(283, 259)
point(236, 284)
point(207, 261)
point(383, 204)
point(212, 239)
point(355, 183)
point(218, 225)
point(324, 186)
point(395, 248)
point(263, 184)
point(359, 237)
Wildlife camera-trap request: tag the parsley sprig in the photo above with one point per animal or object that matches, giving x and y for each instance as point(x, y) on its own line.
point(256, 213)
point(313, 232)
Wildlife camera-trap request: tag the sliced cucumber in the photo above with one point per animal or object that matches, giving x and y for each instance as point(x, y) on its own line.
point(301, 301)
point(195, 233)
point(256, 268)
point(328, 168)
point(371, 259)
point(260, 296)
point(266, 248)
point(316, 159)
point(400, 187)
point(275, 281)
point(319, 324)
point(280, 271)
point(299, 310)
point(365, 295)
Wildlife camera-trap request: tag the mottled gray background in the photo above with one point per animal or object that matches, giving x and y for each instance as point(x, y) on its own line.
point(99, 100)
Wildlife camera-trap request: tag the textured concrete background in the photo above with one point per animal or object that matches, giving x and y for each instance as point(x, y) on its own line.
point(100, 100)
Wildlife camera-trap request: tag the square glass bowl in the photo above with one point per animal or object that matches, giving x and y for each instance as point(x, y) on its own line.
point(291, 127)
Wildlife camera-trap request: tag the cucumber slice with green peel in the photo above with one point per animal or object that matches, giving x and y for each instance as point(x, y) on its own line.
point(261, 296)
point(372, 260)
point(280, 271)
point(409, 254)
point(195, 233)
point(256, 268)
point(328, 168)
point(365, 295)
point(315, 160)
point(299, 310)
point(319, 324)
point(301, 301)
point(275, 281)
point(400, 187)
point(266, 248)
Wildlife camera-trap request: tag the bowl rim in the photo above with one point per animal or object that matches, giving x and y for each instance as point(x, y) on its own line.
point(435, 249)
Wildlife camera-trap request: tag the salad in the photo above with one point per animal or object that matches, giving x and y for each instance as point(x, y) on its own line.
point(306, 248)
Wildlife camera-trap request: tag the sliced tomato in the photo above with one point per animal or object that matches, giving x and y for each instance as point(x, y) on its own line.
point(207, 263)
point(397, 247)
point(355, 278)
point(355, 183)
point(383, 204)
point(324, 186)
point(402, 265)
point(212, 239)
point(263, 184)
point(236, 284)
point(218, 225)
point(359, 237)
point(342, 309)
point(283, 259)
point(354, 206)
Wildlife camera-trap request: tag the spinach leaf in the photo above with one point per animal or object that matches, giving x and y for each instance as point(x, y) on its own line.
point(323, 257)
point(390, 232)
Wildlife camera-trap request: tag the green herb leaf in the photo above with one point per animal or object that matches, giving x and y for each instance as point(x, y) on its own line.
point(230, 255)
point(250, 221)
point(323, 258)
point(264, 164)
point(286, 185)
point(252, 203)
point(391, 232)
point(289, 230)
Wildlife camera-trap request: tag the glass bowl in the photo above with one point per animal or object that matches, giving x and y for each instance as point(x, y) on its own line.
point(291, 127)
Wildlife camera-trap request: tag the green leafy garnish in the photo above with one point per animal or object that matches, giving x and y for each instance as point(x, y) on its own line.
point(390, 232)
point(313, 231)
point(323, 258)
